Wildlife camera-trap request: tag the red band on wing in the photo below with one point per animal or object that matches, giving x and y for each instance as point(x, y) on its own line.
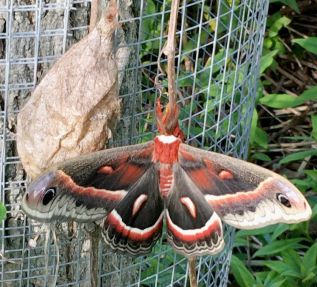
point(191, 235)
point(102, 194)
point(243, 197)
point(133, 233)
point(201, 178)
point(131, 173)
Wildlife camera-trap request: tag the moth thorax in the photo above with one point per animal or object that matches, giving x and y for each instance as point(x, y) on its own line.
point(166, 149)
point(166, 179)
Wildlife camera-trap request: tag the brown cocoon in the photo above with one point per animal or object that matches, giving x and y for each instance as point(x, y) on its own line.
point(76, 104)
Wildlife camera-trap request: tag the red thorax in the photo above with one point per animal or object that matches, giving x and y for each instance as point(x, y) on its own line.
point(166, 145)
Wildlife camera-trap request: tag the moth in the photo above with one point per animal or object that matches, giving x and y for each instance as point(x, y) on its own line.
point(134, 190)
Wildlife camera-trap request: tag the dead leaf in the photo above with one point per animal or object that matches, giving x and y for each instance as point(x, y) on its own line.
point(76, 104)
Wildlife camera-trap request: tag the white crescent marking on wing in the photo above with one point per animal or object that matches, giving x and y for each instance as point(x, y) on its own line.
point(187, 202)
point(138, 203)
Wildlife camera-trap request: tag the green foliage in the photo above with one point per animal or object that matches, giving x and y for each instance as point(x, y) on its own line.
point(273, 45)
point(267, 60)
point(297, 270)
point(309, 43)
point(281, 262)
point(283, 101)
point(243, 276)
point(278, 246)
point(280, 255)
point(298, 156)
point(314, 126)
point(3, 211)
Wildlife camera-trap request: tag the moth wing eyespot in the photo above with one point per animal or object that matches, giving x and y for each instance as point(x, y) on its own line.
point(283, 200)
point(49, 195)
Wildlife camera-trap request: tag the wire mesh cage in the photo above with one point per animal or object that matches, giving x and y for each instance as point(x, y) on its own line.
point(217, 61)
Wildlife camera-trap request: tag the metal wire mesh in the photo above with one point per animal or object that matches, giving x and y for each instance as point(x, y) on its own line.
point(219, 46)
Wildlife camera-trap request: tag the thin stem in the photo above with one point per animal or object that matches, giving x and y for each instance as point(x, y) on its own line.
point(169, 51)
point(94, 239)
point(192, 271)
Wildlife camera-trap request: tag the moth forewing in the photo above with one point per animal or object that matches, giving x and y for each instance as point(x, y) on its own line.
point(245, 195)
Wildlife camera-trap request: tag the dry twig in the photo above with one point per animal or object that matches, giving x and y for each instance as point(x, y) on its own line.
point(192, 271)
point(169, 50)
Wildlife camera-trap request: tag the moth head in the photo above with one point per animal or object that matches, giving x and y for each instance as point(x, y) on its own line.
point(40, 195)
point(167, 121)
point(293, 205)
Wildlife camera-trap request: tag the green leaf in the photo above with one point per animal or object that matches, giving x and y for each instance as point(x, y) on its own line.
point(267, 60)
point(261, 156)
point(308, 95)
point(310, 257)
point(314, 211)
point(283, 101)
point(273, 280)
point(278, 101)
point(3, 211)
point(278, 246)
point(242, 275)
point(283, 269)
point(261, 138)
point(309, 44)
point(259, 231)
point(280, 228)
point(312, 173)
point(314, 125)
point(293, 260)
point(301, 184)
point(278, 266)
point(278, 25)
point(290, 3)
point(310, 276)
point(298, 156)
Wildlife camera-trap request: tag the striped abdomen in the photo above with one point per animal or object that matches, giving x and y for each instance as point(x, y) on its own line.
point(166, 179)
point(166, 154)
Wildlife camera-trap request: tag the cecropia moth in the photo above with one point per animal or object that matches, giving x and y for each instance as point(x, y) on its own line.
point(133, 189)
